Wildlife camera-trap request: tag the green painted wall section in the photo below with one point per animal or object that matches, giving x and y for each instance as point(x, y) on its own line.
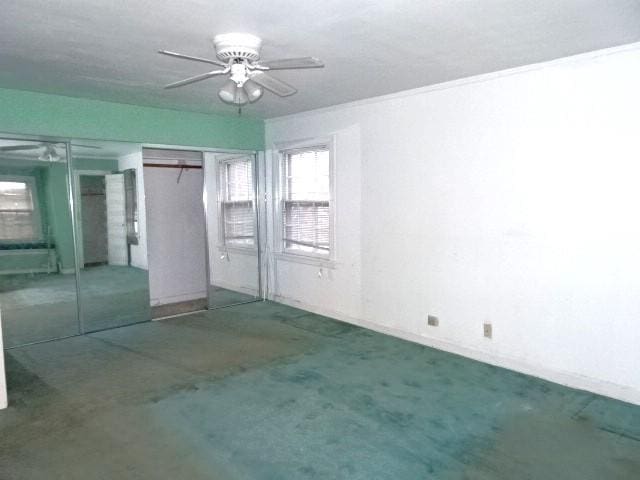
point(59, 215)
point(31, 113)
point(106, 164)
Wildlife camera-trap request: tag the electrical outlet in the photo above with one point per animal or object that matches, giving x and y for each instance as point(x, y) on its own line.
point(432, 320)
point(488, 331)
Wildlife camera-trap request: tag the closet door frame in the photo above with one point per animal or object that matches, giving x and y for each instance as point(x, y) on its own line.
point(71, 205)
point(207, 190)
point(258, 209)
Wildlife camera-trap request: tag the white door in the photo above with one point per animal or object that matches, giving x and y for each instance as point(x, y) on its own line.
point(116, 220)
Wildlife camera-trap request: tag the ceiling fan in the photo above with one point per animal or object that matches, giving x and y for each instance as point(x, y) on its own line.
point(49, 153)
point(239, 57)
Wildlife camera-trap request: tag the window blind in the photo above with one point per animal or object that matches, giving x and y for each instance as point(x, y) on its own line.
point(238, 219)
point(306, 201)
point(17, 217)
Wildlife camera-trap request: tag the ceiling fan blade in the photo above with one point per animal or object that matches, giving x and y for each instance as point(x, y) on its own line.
point(292, 63)
point(15, 148)
point(195, 59)
point(197, 78)
point(273, 84)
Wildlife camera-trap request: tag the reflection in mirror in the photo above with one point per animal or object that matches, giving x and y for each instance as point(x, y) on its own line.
point(37, 263)
point(234, 273)
point(112, 253)
point(131, 206)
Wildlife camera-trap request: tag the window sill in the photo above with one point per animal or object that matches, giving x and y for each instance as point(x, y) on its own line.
point(306, 260)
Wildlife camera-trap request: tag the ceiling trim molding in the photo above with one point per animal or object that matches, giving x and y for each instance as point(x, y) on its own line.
point(484, 77)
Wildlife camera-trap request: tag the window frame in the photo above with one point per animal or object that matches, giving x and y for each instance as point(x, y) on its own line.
point(282, 150)
point(221, 190)
point(37, 217)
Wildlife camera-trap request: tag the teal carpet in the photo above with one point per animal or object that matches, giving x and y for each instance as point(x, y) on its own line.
point(263, 391)
point(222, 297)
point(40, 306)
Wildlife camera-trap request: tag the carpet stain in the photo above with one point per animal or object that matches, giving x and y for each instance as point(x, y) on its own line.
point(264, 391)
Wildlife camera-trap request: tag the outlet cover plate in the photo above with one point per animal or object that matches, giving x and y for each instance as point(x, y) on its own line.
point(488, 330)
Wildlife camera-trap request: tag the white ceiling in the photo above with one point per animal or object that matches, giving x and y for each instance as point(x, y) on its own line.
point(106, 50)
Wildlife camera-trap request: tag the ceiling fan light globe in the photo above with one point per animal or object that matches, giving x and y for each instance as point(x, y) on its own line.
point(254, 91)
point(228, 92)
point(241, 96)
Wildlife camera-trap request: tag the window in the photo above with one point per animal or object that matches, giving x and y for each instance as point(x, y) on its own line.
point(19, 219)
point(236, 194)
point(306, 209)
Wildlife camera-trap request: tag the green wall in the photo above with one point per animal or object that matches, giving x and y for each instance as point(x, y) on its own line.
point(31, 113)
point(59, 214)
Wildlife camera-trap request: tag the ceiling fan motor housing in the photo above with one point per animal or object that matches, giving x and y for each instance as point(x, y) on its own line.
point(237, 45)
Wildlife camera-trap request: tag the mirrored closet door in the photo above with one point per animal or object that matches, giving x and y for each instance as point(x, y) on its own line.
point(73, 234)
point(110, 234)
point(73, 255)
point(37, 260)
point(232, 228)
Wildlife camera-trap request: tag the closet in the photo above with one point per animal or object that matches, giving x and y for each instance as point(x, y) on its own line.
point(73, 255)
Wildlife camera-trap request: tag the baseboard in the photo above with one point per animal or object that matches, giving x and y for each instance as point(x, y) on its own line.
point(183, 297)
point(24, 271)
point(624, 393)
point(236, 288)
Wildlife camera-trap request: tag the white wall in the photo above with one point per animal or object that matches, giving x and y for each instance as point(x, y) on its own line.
point(176, 242)
point(232, 268)
point(335, 286)
point(138, 252)
point(510, 198)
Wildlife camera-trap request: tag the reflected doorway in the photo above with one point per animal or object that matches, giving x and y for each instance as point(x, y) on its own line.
point(112, 255)
point(93, 220)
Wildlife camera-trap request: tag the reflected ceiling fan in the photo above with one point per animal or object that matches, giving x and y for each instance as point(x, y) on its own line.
point(49, 153)
point(239, 57)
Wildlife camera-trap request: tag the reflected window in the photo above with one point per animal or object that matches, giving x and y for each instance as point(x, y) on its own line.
point(236, 202)
point(19, 216)
point(306, 201)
